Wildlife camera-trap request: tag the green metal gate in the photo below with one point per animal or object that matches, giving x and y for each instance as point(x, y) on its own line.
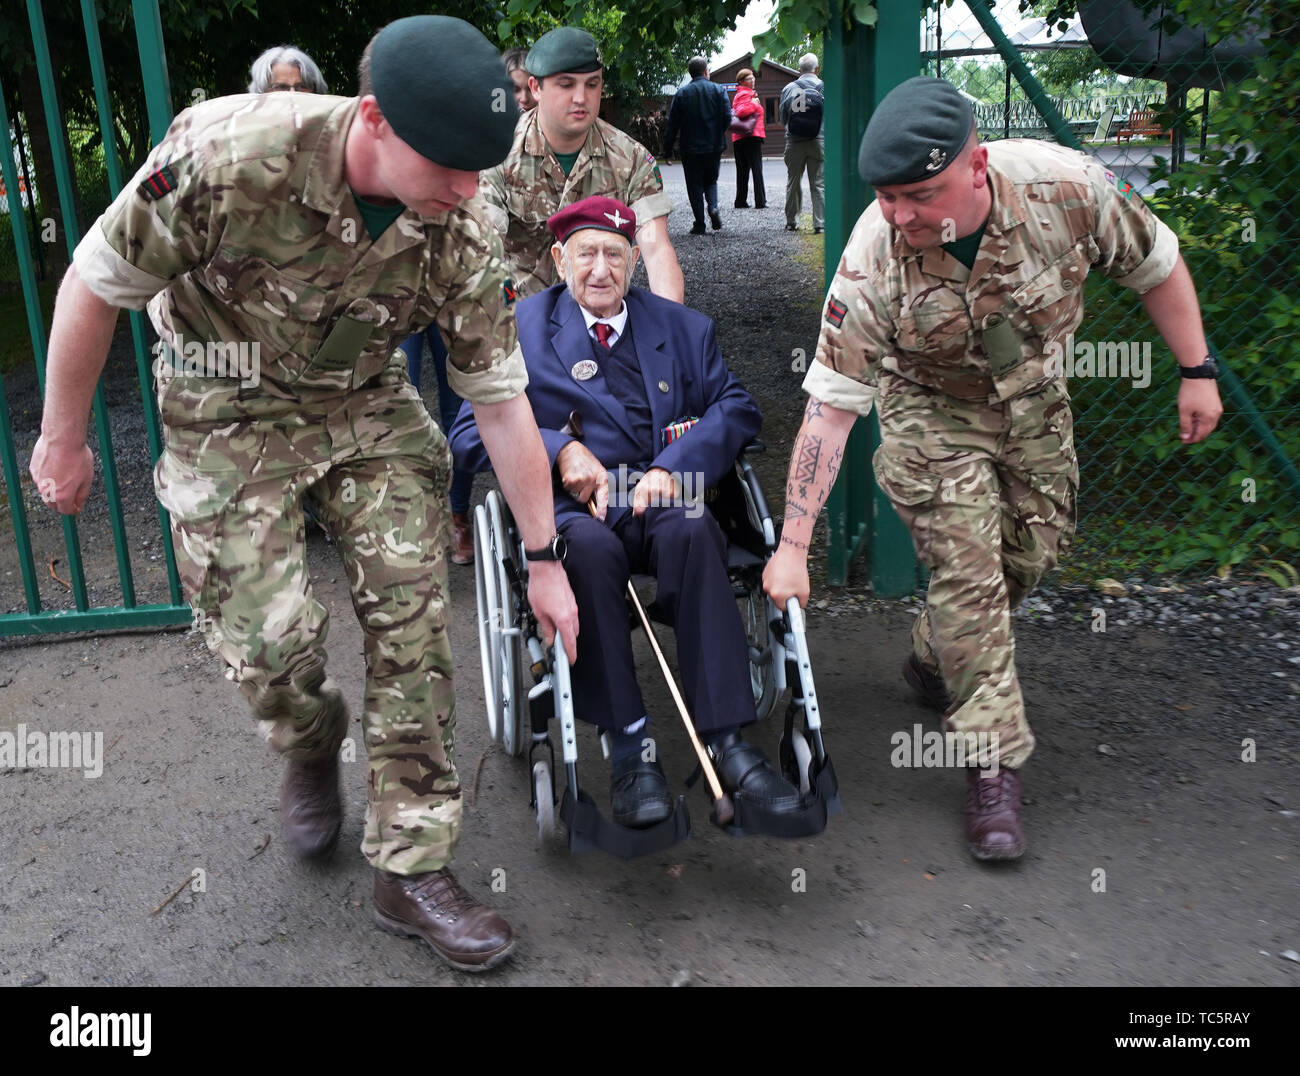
point(43, 615)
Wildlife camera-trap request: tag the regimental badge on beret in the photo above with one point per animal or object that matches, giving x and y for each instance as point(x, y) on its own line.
point(158, 183)
point(595, 211)
point(835, 311)
point(917, 130)
point(508, 291)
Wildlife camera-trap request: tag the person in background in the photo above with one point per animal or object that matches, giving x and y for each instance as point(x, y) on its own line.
point(285, 68)
point(801, 110)
point(564, 152)
point(700, 113)
point(748, 148)
point(515, 60)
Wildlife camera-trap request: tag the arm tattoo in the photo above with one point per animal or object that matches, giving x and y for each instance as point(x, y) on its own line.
point(833, 467)
point(807, 455)
point(813, 409)
point(787, 540)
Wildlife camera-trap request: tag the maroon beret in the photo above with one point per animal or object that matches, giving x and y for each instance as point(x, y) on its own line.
point(607, 214)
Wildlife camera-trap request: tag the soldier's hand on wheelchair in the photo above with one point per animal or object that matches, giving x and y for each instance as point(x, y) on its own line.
point(656, 488)
point(63, 474)
point(786, 576)
point(583, 476)
point(552, 602)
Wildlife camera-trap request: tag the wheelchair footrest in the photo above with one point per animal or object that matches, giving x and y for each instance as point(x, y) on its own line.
point(590, 831)
point(823, 799)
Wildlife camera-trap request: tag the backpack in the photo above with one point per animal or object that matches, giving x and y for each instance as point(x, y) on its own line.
point(806, 108)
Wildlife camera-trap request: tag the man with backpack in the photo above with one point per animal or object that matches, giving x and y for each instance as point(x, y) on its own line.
point(801, 109)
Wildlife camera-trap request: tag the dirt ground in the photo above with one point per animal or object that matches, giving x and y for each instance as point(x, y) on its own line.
point(1139, 773)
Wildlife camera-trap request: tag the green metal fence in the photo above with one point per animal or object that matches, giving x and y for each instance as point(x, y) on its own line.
point(48, 602)
point(1192, 104)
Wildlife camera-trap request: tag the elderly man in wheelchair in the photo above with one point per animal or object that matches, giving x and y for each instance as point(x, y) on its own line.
point(639, 415)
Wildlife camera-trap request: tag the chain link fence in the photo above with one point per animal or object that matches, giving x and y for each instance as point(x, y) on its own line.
point(1202, 135)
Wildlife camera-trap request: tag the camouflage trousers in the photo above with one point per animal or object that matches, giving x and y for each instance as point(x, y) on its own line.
point(988, 493)
point(236, 467)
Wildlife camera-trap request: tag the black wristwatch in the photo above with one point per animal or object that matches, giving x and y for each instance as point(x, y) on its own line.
point(1209, 368)
point(557, 550)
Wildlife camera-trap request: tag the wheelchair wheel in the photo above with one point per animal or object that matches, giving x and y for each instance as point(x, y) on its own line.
point(509, 674)
point(489, 620)
point(758, 641)
point(544, 796)
point(795, 758)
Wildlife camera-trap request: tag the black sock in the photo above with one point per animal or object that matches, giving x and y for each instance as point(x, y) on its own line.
point(623, 745)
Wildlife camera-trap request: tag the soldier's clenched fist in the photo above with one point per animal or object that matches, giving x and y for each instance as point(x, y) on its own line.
point(62, 473)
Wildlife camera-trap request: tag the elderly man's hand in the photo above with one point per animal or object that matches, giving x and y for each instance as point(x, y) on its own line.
point(583, 476)
point(656, 488)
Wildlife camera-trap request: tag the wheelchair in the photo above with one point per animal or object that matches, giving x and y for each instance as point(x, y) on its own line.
point(521, 708)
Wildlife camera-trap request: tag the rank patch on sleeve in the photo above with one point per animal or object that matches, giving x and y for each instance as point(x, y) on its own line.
point(158, 183)
point(835, 311)
point(1122, 185)
point(508, 291)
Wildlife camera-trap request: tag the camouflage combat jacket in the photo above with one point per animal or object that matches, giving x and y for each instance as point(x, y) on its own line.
point(986, 333)
point(529, 186)
point(241, 228)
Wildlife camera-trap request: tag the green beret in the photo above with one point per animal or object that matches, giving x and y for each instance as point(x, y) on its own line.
point(915, 133)
point(443, 89)
point(565, 48)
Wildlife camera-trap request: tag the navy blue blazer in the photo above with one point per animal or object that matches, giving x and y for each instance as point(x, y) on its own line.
point(675, 347)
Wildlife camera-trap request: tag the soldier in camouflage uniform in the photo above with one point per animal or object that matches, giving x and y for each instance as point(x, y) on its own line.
point(310, 234)
point(563, 152)
point(956, 292)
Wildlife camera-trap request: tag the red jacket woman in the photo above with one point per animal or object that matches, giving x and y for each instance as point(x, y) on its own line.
point(749, 148)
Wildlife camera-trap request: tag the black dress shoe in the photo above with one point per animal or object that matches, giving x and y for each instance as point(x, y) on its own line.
point(716, 218)
point(698, 228)
point(743, 768)
point(744, 205)
point(791, 227)
point(638, 793)
point(818, 231)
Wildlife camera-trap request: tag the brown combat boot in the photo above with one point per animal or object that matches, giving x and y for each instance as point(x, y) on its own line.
point(929, 687)
point(468, 935)
point(462, 539)
point(993, 814)
point(311, 806)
